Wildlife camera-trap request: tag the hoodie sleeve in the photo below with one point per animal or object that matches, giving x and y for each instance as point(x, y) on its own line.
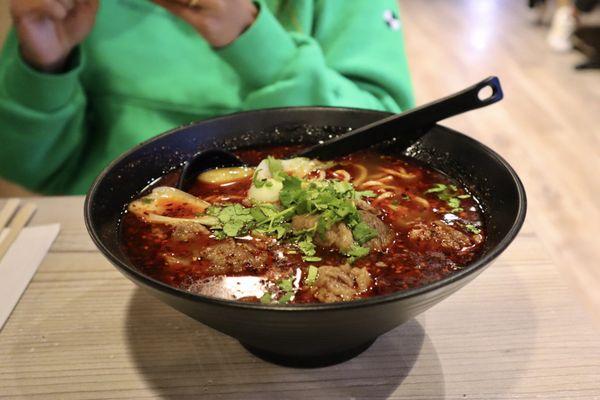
point(354, 58)
point(42, 118)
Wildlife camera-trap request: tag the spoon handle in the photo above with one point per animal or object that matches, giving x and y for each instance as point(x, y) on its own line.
point(410, 125)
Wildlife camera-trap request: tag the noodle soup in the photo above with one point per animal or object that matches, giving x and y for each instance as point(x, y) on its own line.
point(305, 231)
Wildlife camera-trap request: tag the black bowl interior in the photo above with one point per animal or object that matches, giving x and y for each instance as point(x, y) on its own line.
point(486, 174)
point(477, 167)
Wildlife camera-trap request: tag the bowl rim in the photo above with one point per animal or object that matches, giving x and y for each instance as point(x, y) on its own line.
point(470, 269)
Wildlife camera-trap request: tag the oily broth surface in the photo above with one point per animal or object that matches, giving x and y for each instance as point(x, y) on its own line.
point(403, 265)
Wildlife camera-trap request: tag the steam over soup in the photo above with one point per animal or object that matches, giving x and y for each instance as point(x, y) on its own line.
point(304, 231)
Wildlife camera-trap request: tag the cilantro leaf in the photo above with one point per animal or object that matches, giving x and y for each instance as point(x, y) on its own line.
point(286, 284)
point(232, 229)
point(291, 192)
point(307, 247)
point(342, 187)
point(345, 208)
point(355, 252)
point(219, 234)
point(275, 167)
point(258, 214)
point(286, 298)
point(362, 233)
point(213, 210)
point(234, 218)
point(258, 183)
point(266, 298)
point(449, 194)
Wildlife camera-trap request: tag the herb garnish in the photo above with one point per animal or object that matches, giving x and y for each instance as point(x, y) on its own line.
point(449, 194)
point(311, 277)
point(234, 218)
point(266, 298)
point(333, 201)
point(287, 287)
point(275, 168)
point(286, 284)
point(473, 229)
point(355, 252)
point(362, 233)
point(287, 296)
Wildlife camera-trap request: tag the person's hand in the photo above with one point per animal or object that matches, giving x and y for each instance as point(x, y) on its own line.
point(48, 30)
point(220, 22)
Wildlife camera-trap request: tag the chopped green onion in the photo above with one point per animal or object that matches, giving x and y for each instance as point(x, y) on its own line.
point(473, 229)
point(311, 276)
point(449, 194)
point(438, 187)
point(311, 259)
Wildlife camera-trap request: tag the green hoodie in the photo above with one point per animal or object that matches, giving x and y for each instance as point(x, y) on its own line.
point(143, 71)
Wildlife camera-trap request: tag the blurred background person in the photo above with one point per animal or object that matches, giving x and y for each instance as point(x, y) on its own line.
point(565, 18)
point(82, 81)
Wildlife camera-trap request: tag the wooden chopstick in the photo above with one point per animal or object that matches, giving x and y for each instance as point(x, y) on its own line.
point(15, 227)
point(7, 212)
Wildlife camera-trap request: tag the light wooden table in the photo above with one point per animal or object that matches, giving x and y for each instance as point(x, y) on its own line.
point(83, 331)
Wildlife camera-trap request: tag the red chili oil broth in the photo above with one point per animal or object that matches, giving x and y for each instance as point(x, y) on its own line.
point(403, 265)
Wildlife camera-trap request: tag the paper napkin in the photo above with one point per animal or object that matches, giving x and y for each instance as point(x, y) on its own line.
point(20, 264)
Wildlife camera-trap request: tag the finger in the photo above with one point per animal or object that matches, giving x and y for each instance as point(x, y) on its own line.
point(53, 9)
point(68, 4)
point(187, 13)
point(189, 3)
point(182, 2)
point(199, 4)
point(92, 5)
point(45, 8)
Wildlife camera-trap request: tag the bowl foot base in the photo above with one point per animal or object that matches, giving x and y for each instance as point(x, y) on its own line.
point(308, 361)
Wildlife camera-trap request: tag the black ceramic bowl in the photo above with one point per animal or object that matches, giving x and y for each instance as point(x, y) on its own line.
point(318, 333)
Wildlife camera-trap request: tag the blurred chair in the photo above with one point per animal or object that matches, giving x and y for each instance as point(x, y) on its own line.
point(587, 38)
point(566, 30)
point(586, 5)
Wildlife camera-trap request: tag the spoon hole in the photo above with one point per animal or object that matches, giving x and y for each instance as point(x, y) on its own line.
point(485, 93)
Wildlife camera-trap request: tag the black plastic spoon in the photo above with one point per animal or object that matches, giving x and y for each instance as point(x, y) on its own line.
point(406, 128)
